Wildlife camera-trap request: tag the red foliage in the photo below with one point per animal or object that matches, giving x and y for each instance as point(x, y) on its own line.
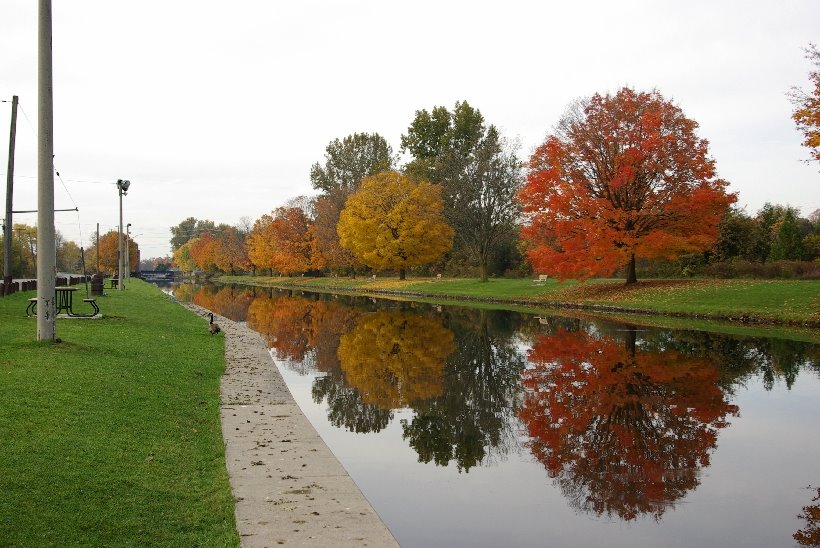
point(623, 432)
point(625, 177)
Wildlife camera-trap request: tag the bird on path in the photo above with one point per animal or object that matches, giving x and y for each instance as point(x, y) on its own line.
point(213, 328)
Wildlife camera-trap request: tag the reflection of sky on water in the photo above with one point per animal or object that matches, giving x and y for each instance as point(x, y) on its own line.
point(748, 493)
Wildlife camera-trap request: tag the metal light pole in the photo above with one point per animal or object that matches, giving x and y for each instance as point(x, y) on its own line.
point(128, 252)
point(122, 186)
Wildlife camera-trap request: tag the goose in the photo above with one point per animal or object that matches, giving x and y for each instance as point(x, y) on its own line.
point(213, 328)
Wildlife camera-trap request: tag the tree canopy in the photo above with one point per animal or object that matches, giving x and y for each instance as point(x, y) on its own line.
point(393, 222)
point(478, 171)
point(350, 160)
point(807, 106)
point(624, 176)
point(191, 228)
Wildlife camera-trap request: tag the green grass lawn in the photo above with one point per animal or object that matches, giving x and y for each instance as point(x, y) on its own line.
point(112, 437)
point(783, 301)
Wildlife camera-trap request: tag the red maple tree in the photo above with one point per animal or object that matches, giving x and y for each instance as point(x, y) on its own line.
point(624, 176)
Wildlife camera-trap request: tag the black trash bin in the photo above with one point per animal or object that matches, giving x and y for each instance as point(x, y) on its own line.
point(97, 284)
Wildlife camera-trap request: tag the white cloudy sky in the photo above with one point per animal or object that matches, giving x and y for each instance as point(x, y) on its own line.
point(218, 109)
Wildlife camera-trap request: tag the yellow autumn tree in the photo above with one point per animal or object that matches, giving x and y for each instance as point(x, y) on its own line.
point(259, 243)
point(182, 256)
point(392, 222)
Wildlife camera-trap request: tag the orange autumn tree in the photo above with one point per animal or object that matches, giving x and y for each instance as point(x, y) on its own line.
point(625, 176)
point(623, 430)
point(230, 254)
point(108, 251)
point(292, 248)
point(203, 251)
point(807, 106)
point(283, 241)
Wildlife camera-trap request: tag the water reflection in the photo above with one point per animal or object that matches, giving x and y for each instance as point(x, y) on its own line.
point(623, 432)
point(809, 535)
point(471, 420)
point(624, 420)
point(395, 359)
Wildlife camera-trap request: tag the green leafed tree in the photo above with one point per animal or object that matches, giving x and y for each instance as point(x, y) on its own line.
point(349, 161)
point(191, 228)
point(478, 170)
point(346, 163)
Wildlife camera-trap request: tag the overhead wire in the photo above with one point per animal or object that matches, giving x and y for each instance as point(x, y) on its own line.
point(56, 172)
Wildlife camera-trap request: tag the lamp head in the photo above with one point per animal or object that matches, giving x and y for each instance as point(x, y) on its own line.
point(123, 184)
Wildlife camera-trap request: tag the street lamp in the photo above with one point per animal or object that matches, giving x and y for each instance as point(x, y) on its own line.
point(122, 186)
point(128, 252)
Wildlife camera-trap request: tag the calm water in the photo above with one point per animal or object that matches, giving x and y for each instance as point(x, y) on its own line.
point(492, 428)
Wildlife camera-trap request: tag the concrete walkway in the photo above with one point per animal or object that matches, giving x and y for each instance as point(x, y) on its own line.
point(289, 487)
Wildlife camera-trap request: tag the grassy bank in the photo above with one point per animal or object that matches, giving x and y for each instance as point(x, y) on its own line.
point(749, 301)
point(112, 436)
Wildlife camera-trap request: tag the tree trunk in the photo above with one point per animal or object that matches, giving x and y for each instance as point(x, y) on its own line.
point(631, 340)
point(631, 277)
point(402, 274)
point(483, 269)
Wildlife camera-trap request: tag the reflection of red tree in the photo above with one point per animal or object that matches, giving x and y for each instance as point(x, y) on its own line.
point(810, 534)
point(622, 432)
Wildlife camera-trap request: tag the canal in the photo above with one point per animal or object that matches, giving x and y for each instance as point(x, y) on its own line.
point(470, 427)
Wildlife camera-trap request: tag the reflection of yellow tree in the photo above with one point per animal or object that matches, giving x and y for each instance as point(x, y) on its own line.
point(622, 432)
point(396, 358)
point(810, 534)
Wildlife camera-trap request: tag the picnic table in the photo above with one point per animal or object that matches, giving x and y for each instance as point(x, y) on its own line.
point(64, 303)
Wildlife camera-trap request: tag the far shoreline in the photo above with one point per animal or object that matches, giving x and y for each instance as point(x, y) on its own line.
point(571, 296)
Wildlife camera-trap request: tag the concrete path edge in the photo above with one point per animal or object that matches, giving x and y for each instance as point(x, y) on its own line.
point(288, 486)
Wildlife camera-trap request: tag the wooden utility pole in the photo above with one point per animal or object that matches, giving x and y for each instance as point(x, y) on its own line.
point(46, 244)
point(9, 226)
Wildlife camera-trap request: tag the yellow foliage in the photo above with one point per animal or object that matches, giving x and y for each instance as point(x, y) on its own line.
point(392, 222)
point(396, 358)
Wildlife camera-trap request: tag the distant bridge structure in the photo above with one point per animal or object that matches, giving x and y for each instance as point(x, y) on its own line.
point(159, 275)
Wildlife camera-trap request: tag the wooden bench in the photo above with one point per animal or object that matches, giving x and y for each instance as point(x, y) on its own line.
point(542, 278)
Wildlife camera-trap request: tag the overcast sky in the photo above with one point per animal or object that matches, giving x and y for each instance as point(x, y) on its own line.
point(218, 109)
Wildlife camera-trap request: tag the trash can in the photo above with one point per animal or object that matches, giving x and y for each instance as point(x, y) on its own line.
point(97, 284)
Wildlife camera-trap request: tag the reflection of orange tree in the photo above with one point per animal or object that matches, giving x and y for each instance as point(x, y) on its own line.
point(396, 358)
point(297, 327)
point(622, 432)
point(225, 301)
point(284, 322)
point(810, 534)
